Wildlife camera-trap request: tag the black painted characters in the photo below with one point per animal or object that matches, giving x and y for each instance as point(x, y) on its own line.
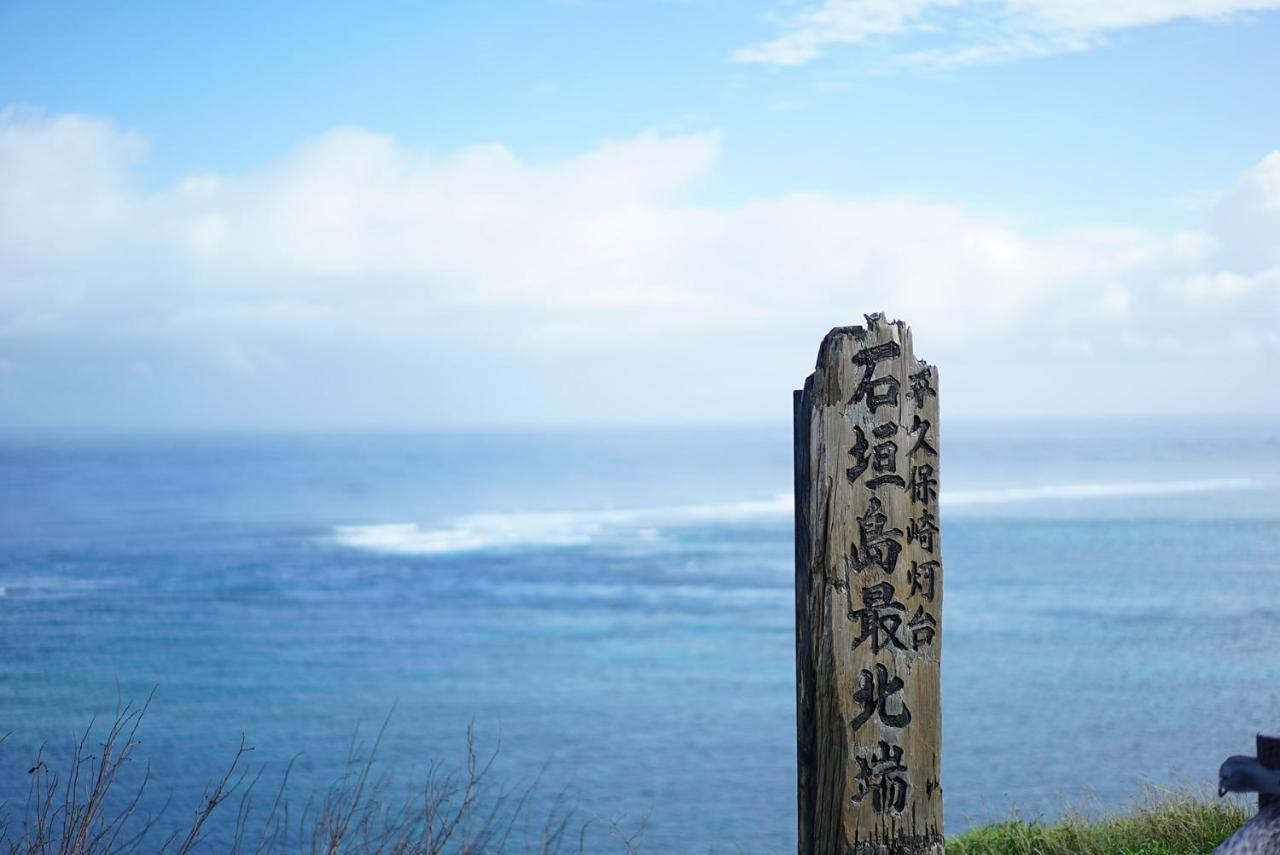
point(891, 629)
point(874, 694)
point(883, 775)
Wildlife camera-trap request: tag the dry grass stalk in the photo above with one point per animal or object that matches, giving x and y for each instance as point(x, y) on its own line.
point(85, 811)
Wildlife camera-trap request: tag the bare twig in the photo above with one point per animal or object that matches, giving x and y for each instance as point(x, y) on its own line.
point(458, 812)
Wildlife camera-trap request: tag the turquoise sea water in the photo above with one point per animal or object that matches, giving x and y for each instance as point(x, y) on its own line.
point(618, 607)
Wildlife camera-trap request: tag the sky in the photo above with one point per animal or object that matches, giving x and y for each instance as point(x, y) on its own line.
point(542, 213)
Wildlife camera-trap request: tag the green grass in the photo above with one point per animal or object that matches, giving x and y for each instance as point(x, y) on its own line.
point(1166, 823)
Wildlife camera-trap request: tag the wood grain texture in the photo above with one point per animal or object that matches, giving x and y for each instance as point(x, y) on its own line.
point(868, 597)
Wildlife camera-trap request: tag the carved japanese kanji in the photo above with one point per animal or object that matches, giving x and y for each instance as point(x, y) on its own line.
point(869, 584)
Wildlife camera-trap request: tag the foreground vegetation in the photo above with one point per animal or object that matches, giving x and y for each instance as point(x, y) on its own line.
point(93, 803)
point(1166, 823)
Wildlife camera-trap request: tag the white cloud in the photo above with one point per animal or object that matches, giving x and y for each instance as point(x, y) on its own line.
point(1246, 219)
point(357, 276)
point(967, 31)
point(65, 179)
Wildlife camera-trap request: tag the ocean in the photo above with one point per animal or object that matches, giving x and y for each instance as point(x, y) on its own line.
point(613, 611)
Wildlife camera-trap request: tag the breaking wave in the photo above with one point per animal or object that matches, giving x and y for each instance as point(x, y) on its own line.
point(561, 528)
point(1008, 495)
point(489, 531)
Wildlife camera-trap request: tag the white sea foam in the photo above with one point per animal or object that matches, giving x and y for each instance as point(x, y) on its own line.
point(576, 528)
point(1050, 492)
point(565, 528)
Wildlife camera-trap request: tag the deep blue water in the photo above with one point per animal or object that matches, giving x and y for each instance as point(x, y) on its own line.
point(618, 607)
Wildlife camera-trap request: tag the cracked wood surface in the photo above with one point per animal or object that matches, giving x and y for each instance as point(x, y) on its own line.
point(865, 492)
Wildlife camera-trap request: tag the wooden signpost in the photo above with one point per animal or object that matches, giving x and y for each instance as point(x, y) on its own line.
point(868, 597)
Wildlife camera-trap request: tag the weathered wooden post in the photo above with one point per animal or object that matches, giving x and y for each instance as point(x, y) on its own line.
point(868, 597)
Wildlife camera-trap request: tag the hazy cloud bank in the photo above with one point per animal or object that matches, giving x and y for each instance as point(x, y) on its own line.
point(356, 281)
point(975, 31)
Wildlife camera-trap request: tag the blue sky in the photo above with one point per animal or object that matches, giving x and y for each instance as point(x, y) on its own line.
point(323, 215)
